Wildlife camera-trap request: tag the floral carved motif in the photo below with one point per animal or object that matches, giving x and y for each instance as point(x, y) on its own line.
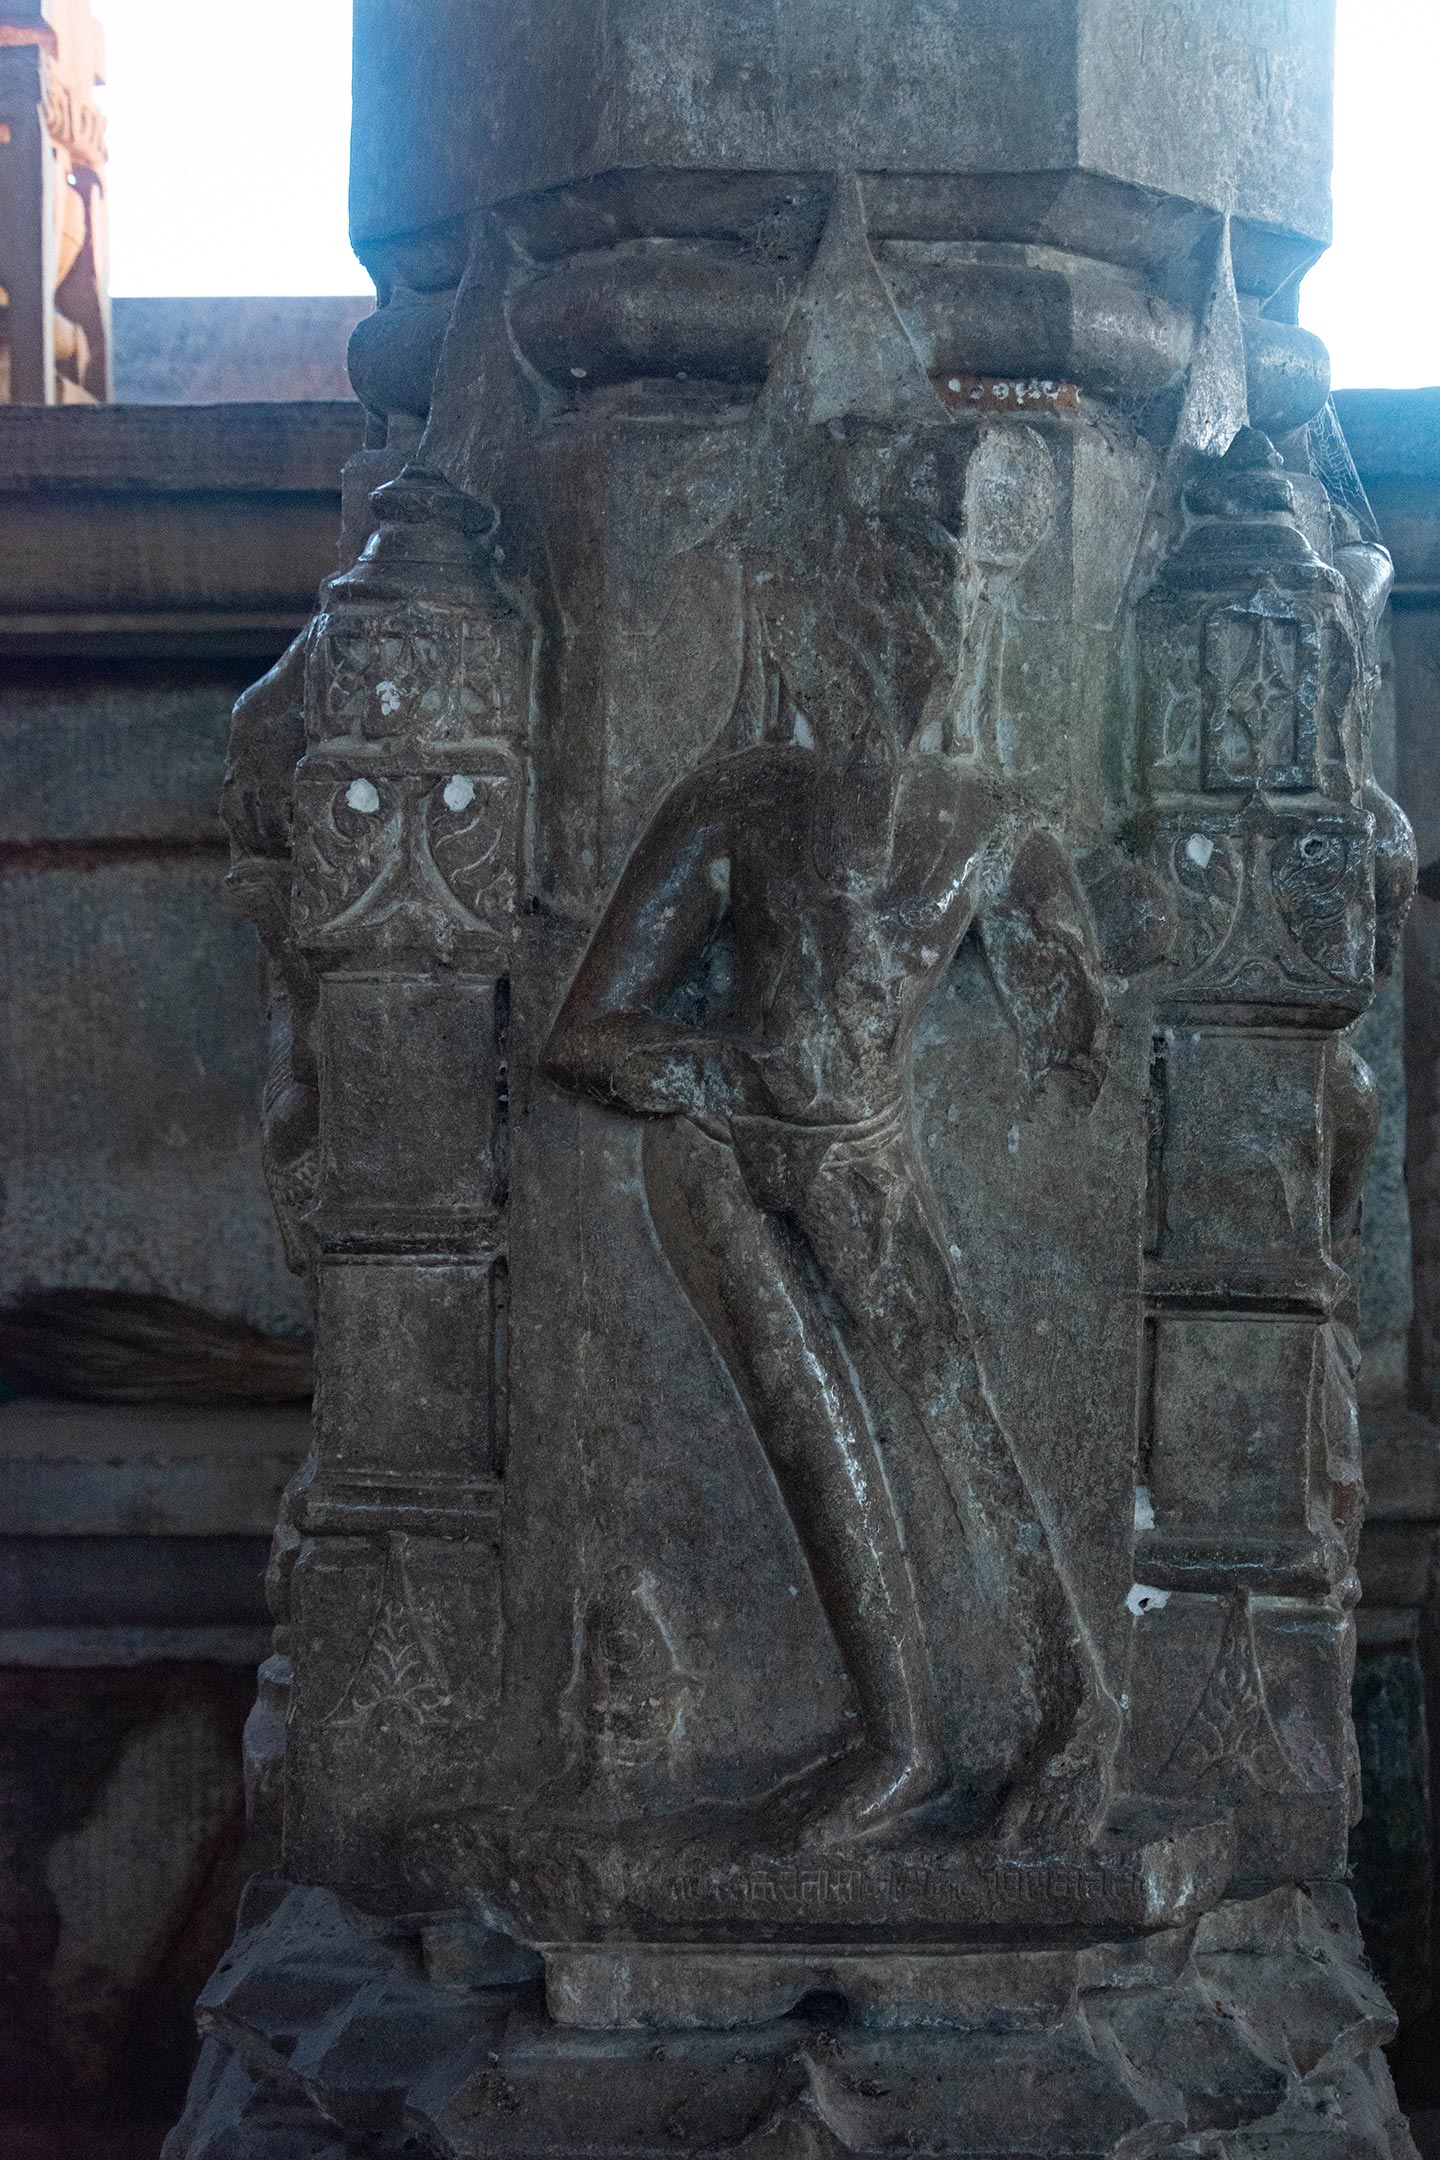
point(1322, 885)
point(432, 676)
point(400, 1673)
point(399, 860)
point(1231, 1736)
point(1266, 906)
point(1259, 700)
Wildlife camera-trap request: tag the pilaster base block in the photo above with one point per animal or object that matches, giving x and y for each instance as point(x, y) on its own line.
point(714, 1878)
point(1255, 2031)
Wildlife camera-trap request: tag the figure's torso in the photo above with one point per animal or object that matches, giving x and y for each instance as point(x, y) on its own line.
point(838, 949)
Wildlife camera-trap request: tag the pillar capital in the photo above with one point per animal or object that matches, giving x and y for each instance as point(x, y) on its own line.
point(1096, 123)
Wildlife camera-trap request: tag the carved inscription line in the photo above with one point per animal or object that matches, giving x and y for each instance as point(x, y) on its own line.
point(841, 1889)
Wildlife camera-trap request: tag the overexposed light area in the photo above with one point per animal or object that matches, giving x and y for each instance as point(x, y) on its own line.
point(229, 151)
point(229, 146)
point(1374, 298)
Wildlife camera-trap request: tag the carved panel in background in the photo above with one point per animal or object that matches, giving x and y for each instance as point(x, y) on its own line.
point(1238, 1160)
point(1243, 1700)
point(401, 1332)
point(413, 1101)
point(1231, 1424)
point(409, 1635)
point(1252, 655)
point(1205, 874)
point(400, 1677)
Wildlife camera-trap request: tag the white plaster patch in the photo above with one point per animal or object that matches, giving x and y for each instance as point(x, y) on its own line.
point(932, 736)
point(459, 792)
point(803, 733)
point(1144, 1508)
point(1012, 1139)
point(1200, 847)
point(1144, 1597)
point(720, 873)
point(389, 697)
point(364, 796)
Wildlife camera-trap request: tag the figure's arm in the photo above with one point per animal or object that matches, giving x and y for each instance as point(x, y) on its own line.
point(611, 1040)
point(1039, 944)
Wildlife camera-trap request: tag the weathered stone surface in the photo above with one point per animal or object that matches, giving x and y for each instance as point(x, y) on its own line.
point(816, 876)
point(226, 350)
point(455, 109)
point(140, 530)
point(132, 1065)
point(1258, 2021)
point(93, 1194)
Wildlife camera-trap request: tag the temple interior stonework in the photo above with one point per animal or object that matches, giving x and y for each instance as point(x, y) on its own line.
point(720, 1240)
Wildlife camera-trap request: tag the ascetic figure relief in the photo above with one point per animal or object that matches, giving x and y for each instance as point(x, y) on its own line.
point(754, 989)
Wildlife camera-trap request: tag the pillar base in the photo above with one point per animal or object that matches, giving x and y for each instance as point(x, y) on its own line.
point(1255, 2031)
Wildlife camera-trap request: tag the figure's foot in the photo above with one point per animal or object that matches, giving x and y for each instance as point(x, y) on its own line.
point(873, 1796)
point(1063, 1802)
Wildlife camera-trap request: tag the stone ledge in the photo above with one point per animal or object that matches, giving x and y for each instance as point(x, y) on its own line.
point(97, 1470)
point(1392, 434)
point(179, 449)
point(51, 1649)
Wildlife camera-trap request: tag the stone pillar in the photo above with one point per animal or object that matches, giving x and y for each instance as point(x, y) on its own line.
point(817, 872)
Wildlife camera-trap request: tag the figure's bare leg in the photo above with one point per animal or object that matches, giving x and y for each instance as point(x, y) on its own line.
point(872, 1223)
point(750, 1288)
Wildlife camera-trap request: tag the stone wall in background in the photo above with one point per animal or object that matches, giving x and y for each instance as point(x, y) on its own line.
point(153, 561)
point(223, 350)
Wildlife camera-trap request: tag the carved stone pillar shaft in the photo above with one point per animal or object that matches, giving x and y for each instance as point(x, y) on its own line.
point(833, 856)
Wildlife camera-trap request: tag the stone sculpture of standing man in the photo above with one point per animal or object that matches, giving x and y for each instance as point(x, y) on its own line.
point(754, 990)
